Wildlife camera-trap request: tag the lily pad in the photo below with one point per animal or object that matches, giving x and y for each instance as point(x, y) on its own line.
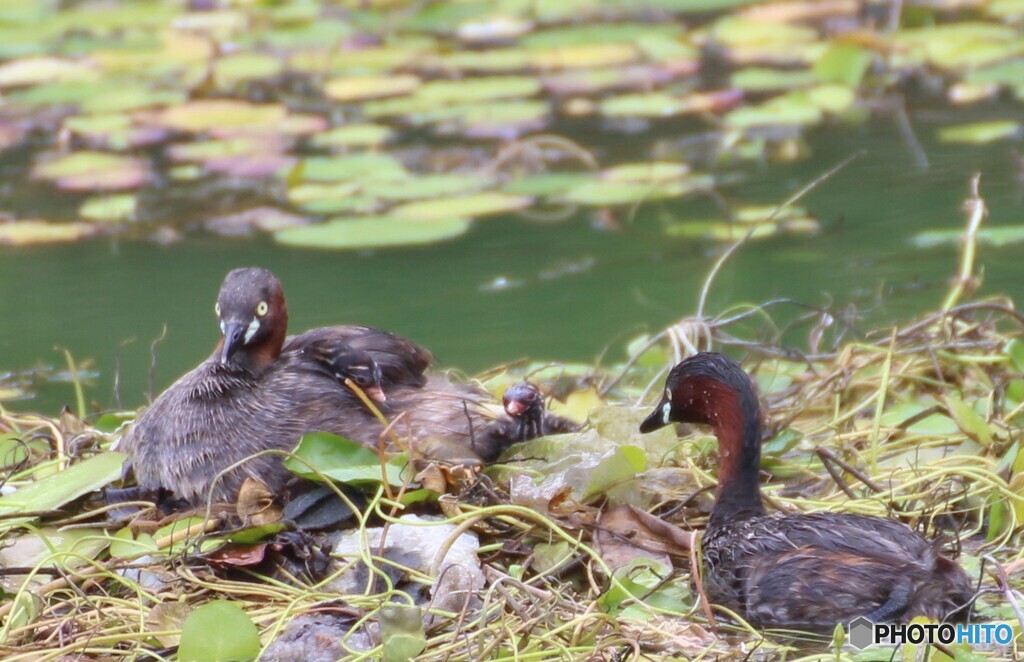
point(242, 67)
point(89, 171)
point(483, 88)
point(1000, 235)
point(359, 88)
point(32, 232)
point(657, 171)
point(59, 488)
point(367, 166)
point(605, 193)
point(466, 206)
point(120, 207)
point(218, 631)
point(373, 232)
point(354, 135)
point(979, 133)
point(550, 183)
point(428, 186)
point(205, 115)
point(342, 459)
point(36, 70)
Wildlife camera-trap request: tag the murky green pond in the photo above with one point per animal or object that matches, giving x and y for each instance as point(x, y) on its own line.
point(148, 127)
point(512, 288)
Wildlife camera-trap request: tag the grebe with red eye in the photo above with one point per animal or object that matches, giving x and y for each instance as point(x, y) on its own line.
point(806, 571)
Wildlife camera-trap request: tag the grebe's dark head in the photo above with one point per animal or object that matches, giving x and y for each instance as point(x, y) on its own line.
point(364, 372)
point(713, 389)
point(522, 398)
point(253, 318)
point(705, 388)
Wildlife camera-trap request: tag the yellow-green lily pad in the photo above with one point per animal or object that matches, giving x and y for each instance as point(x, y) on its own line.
point(360, 88)
point(464, 206)
point(119, 207)
point(373, 232)
point(206, 115)
point(428, 186)
point(88, 171)
point(31, 232)
point(354, 135)
point(979, 133)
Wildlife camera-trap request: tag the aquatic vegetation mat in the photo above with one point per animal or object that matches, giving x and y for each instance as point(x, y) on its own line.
point(356, 120)
point(572, 546)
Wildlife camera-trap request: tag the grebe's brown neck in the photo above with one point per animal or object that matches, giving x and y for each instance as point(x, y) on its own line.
point(713, 389)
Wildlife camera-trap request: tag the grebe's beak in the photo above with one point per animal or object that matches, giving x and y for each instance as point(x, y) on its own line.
point(515, 407)
point(375, 393)
point(659, 418)
point(234, 337)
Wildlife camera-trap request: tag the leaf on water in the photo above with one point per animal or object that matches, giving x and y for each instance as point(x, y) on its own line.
point(373, 232)
point(549, 183)
point(206, 115)
point(483, 88)
point(795, 108)
point(250, 221)
point(427, 186)
point(33, 232)
point(62, 487)
point(833, 98)
point(843, 63)
point(341, 459)
point(605, 193)
point(652, 104)
point(219, 631)
point(242, 67)
point(88, 170)
point(360, 88)
point(114, 208)
point(245, 146)
point(980, 133)
point(354, 135)
point(1000, 235)
point(585, 56)
point(366, 166)
point(762, 79)
point(656, 171)
point(465, 206)
point(36, 70)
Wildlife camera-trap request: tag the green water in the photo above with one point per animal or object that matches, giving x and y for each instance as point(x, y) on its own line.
point(572, 288)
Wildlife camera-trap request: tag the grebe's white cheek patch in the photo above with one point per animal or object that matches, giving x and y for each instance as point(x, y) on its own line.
point(666, 412)
point(251, 330)
point(222, 327)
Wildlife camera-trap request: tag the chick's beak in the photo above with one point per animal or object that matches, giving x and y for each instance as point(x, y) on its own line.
point(375, 393)
point(515, 407)
point(233, 334)
point(658, 418)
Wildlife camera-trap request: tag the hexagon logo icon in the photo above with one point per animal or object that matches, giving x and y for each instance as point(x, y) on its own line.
point(861, 633)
